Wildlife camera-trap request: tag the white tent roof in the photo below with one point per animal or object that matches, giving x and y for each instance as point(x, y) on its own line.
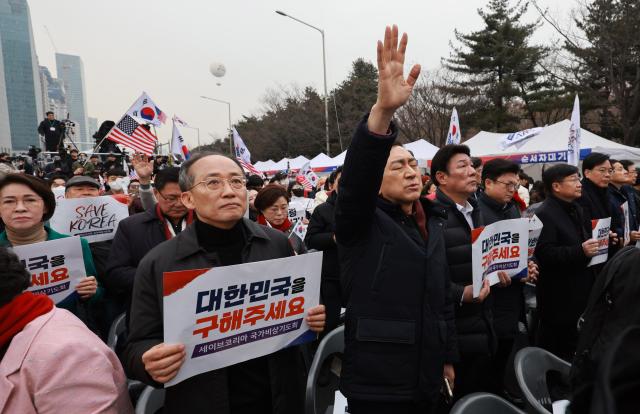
point(322, 160)
point(281, 165)
point(339, 159)
point(422, 149)
point(551, 138)
point(268, 165)
point(298, 162)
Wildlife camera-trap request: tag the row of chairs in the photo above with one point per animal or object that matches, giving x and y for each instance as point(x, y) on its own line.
point(531, 365)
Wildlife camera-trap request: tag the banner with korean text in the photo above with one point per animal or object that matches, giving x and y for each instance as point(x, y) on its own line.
point(499, 247)
point(227, 315)
point(600, 232)
point(56, 266)
point(94, 218)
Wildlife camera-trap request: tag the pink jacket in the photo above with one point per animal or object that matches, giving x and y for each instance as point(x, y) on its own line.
point(56, 365)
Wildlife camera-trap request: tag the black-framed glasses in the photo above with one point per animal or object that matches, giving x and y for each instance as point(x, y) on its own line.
point(169, 199)
point(510, 186)
point(216, 184)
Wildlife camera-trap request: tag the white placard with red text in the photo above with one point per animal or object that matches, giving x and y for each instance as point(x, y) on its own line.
point(601, 228)
point(56, 266)
point(230, 314)
point(94, 218)
point(499, 247)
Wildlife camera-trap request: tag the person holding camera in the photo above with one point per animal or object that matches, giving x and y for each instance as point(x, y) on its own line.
point(53, 132)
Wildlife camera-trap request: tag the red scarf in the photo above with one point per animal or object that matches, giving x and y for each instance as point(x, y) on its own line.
point(421, 219)
point(15, 315)
point(286, 225)
point(165, 223)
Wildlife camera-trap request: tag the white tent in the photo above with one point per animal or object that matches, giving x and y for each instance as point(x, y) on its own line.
point(298, 162)
point(339, 159)
point(321, 161)
point(422, 149)
point(281, 165)
point(550, 145)
point(268, 165)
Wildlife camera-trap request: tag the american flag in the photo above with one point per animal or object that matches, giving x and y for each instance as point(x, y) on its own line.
point(248, 167)
point(132, 135)
point(305, 182)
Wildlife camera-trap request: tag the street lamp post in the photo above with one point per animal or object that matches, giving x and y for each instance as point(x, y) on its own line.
point(324, 66)
point(230, 129)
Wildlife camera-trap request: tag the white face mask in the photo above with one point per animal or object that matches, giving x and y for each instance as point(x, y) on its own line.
point(116, 184)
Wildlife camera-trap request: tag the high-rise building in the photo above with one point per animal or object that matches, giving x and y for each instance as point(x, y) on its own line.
point(93, 127)
point(21, 74)
point(53, 94)
point(71, 72)
point(5, 129)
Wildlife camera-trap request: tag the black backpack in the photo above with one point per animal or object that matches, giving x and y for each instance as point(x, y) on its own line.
point(613, 307)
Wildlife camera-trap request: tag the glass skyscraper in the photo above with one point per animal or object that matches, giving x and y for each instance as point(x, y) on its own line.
point(71, 72)
point(21, 74)
point(5, 130)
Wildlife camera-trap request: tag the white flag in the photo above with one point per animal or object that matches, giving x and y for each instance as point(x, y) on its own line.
point(180, 121)
point(146, 111)
point(516, 137)
point(573, 146)
point(178, 146)
point(242, 152)
point(453, 137)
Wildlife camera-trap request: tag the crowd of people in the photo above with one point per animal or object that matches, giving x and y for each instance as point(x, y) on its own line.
point(396, 270)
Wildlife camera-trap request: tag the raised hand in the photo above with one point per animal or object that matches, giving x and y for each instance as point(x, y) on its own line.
point(393, 89)
point(143, 167)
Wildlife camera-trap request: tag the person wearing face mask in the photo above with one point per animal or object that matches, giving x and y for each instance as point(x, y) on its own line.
point(272, 204)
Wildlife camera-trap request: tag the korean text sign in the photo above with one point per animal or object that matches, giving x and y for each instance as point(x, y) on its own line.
point(227, 315)
point(56, 266)
point(601, 229)
point(94, 218)
point(499, 247)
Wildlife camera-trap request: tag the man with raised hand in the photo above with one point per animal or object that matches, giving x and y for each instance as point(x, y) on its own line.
point(399, 332)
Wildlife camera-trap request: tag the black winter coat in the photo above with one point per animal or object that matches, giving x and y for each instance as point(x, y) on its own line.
point(507, 302)
point(206, 392)
point(320, 237)
point(135, 237)
point(565, 280)
point(52, 139)
point(399, 328)
point(474, 322)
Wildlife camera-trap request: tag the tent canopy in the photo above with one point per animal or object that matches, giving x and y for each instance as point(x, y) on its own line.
point(322, 160)
point(551, 140)
point(422, 149)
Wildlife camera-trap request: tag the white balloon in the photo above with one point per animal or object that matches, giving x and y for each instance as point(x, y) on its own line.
point(217, 69)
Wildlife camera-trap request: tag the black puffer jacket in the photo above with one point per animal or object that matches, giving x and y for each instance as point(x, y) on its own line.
point(474, 324)
point(399, 328)
point(507, 302)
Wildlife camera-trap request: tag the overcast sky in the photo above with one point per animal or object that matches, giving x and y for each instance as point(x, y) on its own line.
point(164, 47)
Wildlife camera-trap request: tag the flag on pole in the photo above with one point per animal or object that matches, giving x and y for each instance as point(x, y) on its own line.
point(131, 134)
point(307, 177)
point(573, 146)
point(243, 155)
point(146, 111)
point(180, 121)
point(179, 148)
point(454, 135)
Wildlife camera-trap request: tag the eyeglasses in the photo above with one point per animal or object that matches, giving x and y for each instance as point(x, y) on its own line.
point(28, 202)
point(571, 180)
point(169, 199)
point(510, 186)
point(216, 184)
point(604, 170)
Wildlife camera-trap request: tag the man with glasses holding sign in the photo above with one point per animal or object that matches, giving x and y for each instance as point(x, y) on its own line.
point(214, 187)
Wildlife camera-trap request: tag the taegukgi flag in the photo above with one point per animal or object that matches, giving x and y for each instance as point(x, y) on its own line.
point(573, 146)
point(146, 111)
point(179, 148)
point(454, 135)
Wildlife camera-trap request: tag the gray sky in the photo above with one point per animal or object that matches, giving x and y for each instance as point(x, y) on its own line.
point(164, 47)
